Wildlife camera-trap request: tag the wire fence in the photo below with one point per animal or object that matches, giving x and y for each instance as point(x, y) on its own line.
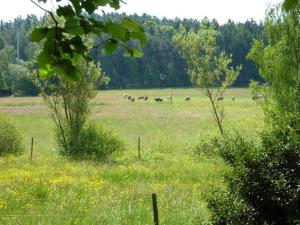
point(126, 206)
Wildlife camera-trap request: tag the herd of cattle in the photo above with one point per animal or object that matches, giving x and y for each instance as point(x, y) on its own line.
point(160, 99)
point(187, 98)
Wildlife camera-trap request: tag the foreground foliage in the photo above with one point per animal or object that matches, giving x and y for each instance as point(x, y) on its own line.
point(64, 45)
point(94, 142)
point(263, 182)
point(11, 141)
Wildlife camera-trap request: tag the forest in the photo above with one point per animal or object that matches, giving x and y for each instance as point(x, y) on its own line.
point(161, 65)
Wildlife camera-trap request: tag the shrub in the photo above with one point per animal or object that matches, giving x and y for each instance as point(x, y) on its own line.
point(262, 182)
point(94, 142)
point(206, 147)
point(10, 139)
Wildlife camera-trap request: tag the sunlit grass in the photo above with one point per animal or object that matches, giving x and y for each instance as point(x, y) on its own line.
point(55, 190)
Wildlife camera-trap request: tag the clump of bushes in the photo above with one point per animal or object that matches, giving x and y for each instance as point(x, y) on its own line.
point(11, 141)
point(262, 183)
point(94, 142)
point(206, 147)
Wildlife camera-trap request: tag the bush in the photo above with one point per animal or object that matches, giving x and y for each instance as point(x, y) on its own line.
point(94, 142)
point(206, 147)
point(10, 139)
point(262, 182)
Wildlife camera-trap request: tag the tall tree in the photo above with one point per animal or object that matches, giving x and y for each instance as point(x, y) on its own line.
point(209, 71)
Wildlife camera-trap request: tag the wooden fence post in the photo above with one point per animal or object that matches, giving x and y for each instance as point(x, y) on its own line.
point(31, 149)
point(139, 147)
point(155, 209)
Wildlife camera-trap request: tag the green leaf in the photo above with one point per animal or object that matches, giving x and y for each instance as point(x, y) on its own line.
point(44, 61)
point(44, 58)
point(89, 6)
point(289, 4)
point(115, 4)
point(131, 25)
point(136, 53)
point(76, 58)
point(39, 34)
point(78, 44)
point(65, 11)
point(110, 47)
point(101, 2)
point(73, 27)
point(141, 36)
point(116, 31)
point(67, 69)
point(77, 7)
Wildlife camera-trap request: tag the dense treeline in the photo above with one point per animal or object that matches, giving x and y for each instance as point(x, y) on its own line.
point(161, 65)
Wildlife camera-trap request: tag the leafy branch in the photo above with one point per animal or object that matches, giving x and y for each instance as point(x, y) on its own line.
point(63, 45)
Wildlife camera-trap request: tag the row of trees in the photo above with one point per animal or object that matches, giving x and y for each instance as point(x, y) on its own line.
point(161, 66)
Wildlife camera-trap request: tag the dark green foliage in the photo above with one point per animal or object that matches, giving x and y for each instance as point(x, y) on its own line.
point(64, 41)
point(206, 147)
point(11, 141)
point(236, 39)
point(24, 86)
point(94, 142)
point(262, 182)
point(146, 72)
point(290, 4)
point(265, 179)
point(171, 70)
point(229, 208)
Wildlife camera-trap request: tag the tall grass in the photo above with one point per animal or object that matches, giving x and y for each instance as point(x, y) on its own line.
point(55, 190)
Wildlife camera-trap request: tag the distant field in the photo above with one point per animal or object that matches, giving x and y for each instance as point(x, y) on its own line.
point(55, 190)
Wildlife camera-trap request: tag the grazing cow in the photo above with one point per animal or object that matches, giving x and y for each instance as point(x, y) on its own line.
point(141, 97)
point(258, 96)
point(221, 98)
point(132, 99)
point(158, 99)
point(188, 98)
point(145, 98)
point(125, 95)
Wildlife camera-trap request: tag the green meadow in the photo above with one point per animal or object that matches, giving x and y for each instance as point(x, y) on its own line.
point(52, 189)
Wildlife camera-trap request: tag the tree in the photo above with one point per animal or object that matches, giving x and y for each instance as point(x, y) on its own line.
point(63, 44)
point(22, 84)
point(263, 180)
point(279, 64)
point(7, 56)
point(69, 102)
point(208, 69)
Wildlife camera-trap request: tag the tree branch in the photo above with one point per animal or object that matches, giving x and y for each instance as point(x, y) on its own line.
point(47, 11)
point(100, 44)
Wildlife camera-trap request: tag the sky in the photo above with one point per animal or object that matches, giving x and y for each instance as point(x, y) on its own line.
point(222, 10)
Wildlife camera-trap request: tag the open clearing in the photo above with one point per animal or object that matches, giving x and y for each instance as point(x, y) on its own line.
point(56, 190)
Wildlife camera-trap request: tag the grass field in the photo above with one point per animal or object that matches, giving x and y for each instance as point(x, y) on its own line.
point(56, 190)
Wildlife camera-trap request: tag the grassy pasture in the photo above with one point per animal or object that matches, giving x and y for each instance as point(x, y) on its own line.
point(56, 190)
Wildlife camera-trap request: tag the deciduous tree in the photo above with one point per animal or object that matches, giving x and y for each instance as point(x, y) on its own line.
point(209, 70)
